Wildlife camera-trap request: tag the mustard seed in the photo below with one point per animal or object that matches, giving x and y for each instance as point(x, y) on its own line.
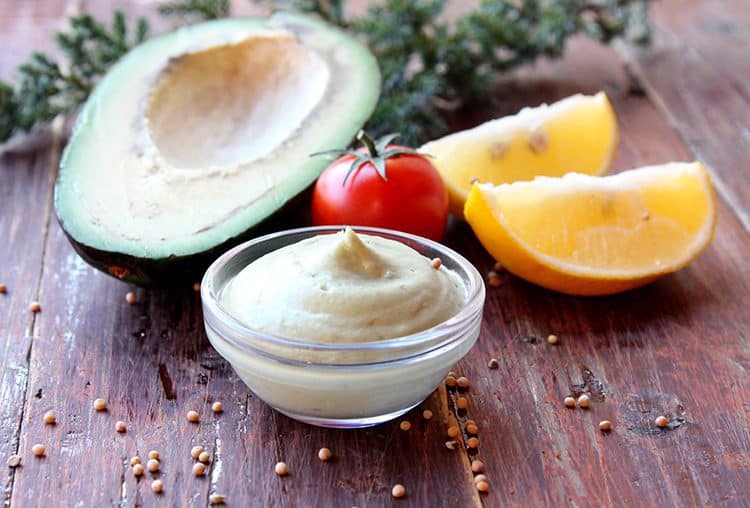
point(217, 407)
point(493, 279)
point(398, 491)
point(121, 426)
point(3, 289)
point(100, 404)
point(427, 414)
point(199, 469)
point(463, 382)
point(569, 402)
point(14, 461)
point(453, 432)
point(462, 402)
point(493, 363)
point(605, 425)
point(281, 468)
point(130, 298)
point(483, 486)
point(584, 401)
point(436, 263)
point(204, 457)
point(472, 442)
point(50, 418)
point(497, 267)
point(153, 465)
point(138, 469)
point(196, 287)
point(153, 454)
point(196, 451)
point(405, 425)
point(662, 421)
point(193, 416)
point(35, 307)
point(157, 486)
point(38, 450)
point(471, 428)
point(452, 374)
point(553, 339)
point(498, 149)
point(477, 466)
point(481, 478)
point(538, 141)
point(216, 499)
point(324, 454)
point(135, 460)
point(450, 381)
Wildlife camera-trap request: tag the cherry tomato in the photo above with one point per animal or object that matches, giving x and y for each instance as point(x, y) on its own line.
point(384, 185)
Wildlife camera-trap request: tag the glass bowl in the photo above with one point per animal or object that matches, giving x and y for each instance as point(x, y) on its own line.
point(346, 385)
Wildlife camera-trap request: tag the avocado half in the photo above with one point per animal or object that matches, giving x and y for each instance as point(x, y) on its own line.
point(197, 137)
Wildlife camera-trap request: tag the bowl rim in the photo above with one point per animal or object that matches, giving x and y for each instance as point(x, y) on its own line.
point(213, 309)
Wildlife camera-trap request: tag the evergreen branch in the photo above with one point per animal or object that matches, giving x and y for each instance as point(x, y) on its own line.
point(203, 9)
point(47, 88)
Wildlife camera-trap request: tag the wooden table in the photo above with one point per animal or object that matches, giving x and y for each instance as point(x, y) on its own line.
point(679, 347)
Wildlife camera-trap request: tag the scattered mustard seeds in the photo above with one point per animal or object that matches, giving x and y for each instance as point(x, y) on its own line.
point(538, 141)
point(135, 460)
point(281, 469)
point(463, 382)
point(3, 289)
point(196, 451)
point(324, 454)
point(481, 478)
point(477, 466)
point(199, 469)
point(553, 339)
point(14, 461)
point(50, 418)
point(196, 286)
point(216, 499)
point(427, 414)
point(462, 402)
point(130, 297)
point(471, 428)
point(450, 381)
point(35, 307)
point(569, 402)
point(153, 465)
point(100, 404)
point(38, 450)
point(605, 425)
point(138, 469)
point(453, 432)
point(204, 457)
point(217, 407)
point(493, 363)
point(584, 401)
point(398, 491)
point(193, 416)
point(157, 486)
point(494, 280)
point(436, 263)
point(121, 426)
point(483, 486)
point(405, 425)
point(472, 442)
point(661, 421)
point(497, 267)
point(153, 454)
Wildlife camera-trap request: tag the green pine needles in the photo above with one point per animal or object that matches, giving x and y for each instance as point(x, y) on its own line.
point(431, 63)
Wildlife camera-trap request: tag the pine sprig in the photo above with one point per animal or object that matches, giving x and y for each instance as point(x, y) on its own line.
point(202, 9)
point(48, 88)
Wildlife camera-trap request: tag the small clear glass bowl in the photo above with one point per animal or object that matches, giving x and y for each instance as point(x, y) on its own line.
point(340, 385)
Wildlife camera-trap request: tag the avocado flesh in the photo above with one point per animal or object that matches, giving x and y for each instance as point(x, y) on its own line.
point(197, 137)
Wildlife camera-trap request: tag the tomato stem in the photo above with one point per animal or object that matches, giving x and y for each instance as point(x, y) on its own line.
point(366, 140)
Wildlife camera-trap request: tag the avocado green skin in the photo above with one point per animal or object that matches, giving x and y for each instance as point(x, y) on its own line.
point(184, 269)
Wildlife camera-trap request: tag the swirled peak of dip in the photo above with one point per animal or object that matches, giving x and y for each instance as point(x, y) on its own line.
point(343, 287)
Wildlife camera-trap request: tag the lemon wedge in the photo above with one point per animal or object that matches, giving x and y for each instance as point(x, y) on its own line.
point(578, 133)
point(587, 235)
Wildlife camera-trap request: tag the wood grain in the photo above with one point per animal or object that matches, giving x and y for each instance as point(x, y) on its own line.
point(679, 347)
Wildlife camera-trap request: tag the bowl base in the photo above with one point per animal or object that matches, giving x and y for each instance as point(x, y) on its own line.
point(347, 423)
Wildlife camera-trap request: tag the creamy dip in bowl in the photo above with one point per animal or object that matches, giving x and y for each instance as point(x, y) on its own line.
point(342, 329)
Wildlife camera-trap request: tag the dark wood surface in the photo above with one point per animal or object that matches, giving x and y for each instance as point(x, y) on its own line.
point(679, 347)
